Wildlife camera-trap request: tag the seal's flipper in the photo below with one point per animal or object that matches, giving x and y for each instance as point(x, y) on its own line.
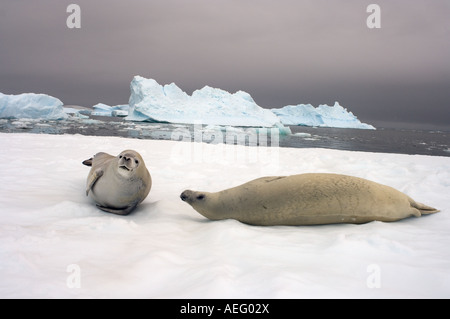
point(88, 162)
point(423, 209)
point(123, 211)
point(93, 179)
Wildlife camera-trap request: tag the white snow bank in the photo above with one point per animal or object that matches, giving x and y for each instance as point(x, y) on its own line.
point(150, 101)
point(31, 105)
point(51, 234)
point(324, 116)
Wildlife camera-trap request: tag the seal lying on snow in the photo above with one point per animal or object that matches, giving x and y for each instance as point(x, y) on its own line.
point(118, 183)
point(306, 199)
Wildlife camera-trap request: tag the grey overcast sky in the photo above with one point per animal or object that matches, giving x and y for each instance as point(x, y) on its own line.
point(280, 51)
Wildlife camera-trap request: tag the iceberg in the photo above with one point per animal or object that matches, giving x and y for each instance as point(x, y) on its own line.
point(77, 111)
point(101, 109)
point(322, 116)
point(150, 101)
point(31, 105)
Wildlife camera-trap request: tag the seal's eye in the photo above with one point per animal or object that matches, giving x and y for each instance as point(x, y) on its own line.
point(136, 161)
point(201, 196)
point(120, 156)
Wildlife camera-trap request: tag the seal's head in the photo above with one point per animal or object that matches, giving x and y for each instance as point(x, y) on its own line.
point(204, 203)
point(192, 197)
point(128, 162)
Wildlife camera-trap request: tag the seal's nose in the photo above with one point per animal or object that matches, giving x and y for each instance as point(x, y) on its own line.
point(183, 196)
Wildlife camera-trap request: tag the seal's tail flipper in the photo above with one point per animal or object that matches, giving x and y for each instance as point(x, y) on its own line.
point(88, 162)
point(424, 209)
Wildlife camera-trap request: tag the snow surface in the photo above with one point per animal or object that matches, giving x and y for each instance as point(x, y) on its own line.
point(150, 101)
point(322, 116)
point(31, 105)
point(167, 250)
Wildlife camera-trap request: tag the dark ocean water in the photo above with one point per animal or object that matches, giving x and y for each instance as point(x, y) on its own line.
point(384, 140)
